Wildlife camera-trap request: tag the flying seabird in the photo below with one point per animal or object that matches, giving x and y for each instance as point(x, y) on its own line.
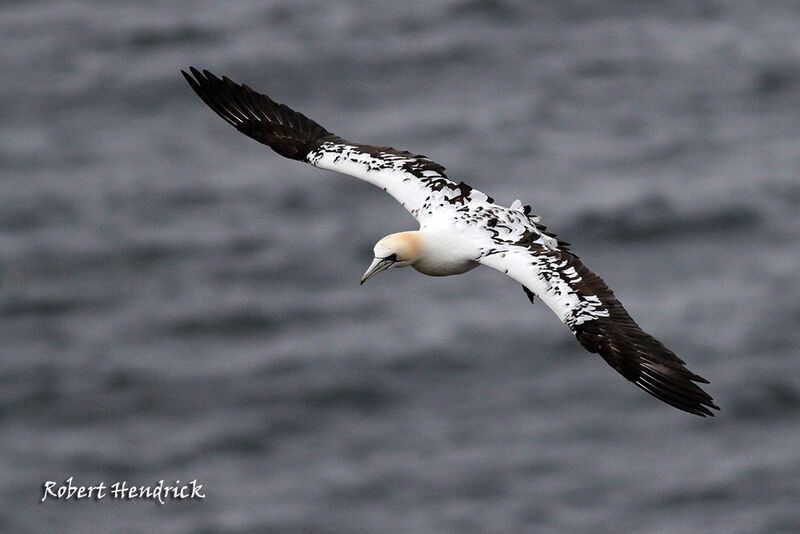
point(461, 228)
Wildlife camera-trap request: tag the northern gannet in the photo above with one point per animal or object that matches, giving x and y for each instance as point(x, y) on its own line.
point(461, 228)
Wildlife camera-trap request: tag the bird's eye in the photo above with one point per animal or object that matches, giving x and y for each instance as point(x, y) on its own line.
point(392, 257)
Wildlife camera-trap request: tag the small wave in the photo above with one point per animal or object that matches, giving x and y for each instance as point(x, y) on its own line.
point(156, 201)
point(226, 323)
point(493, 10)
point(22, 306)
point(775, 79)
point(427, 363)
point(159, 37)
point(656, 218)
point(359, 397)
point(689, 495)
point(41, 212)
point(766, 400)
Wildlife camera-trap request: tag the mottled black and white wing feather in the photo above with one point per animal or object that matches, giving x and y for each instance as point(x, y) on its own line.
point(581, 299)
point(414, 180)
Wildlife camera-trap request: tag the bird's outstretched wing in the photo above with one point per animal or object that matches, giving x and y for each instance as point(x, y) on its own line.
point(545, 266)
point(414, 180)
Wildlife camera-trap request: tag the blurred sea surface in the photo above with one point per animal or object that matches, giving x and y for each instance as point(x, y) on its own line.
point(178, 302)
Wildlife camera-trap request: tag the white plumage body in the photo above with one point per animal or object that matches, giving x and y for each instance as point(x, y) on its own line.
point(445, 251)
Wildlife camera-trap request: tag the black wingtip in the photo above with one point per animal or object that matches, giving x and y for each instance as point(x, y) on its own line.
point(195, 74)
point(704, 410)
point(287, 132)
point(644, 360)
point(190, 79)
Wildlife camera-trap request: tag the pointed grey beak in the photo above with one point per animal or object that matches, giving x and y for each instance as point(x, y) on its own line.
point(378, 265)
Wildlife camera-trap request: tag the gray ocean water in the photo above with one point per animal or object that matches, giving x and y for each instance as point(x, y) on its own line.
point(178, 302)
